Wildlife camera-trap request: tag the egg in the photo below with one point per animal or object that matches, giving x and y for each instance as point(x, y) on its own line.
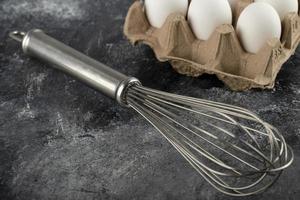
point(283, 7)
point(233, 3)
point(258, 23)
point(205, 16)
point(157, 11)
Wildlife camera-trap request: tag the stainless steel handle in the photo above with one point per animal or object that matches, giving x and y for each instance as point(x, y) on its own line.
point(95, 74)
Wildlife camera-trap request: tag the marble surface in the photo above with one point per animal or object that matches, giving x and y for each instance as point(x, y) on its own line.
point(62, 140)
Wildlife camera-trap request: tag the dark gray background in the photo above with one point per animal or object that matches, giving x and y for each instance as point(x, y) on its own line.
point(61, 140)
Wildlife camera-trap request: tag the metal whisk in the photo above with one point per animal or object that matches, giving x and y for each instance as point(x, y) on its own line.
point(230, 147)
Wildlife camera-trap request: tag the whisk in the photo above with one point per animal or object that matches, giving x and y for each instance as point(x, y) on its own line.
point(230, 147)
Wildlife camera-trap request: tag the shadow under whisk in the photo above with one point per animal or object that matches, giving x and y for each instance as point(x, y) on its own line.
point(230, 147)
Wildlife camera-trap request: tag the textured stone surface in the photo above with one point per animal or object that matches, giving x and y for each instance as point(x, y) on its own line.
point(62, 140)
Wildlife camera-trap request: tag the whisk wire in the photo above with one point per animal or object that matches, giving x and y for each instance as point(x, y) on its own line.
point(230, 147)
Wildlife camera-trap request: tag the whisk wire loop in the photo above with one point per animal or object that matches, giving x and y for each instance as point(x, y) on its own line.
point(230, 147)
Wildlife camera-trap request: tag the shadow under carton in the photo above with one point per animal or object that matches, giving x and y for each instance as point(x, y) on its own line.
point(222, 54)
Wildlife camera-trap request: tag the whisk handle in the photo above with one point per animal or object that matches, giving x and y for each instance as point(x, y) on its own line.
point(95, 74)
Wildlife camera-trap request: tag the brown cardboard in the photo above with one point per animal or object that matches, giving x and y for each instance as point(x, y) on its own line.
point(221, 55)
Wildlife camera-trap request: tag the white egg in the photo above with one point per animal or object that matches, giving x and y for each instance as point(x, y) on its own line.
point(258, 23)
point(157, 11)
point(233, 3)
point(205, 16)
point(283, 7)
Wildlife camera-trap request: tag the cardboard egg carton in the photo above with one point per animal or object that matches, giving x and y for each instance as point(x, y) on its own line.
point(222, 54)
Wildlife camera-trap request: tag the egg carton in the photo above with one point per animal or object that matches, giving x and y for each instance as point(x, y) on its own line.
point(222, 54)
